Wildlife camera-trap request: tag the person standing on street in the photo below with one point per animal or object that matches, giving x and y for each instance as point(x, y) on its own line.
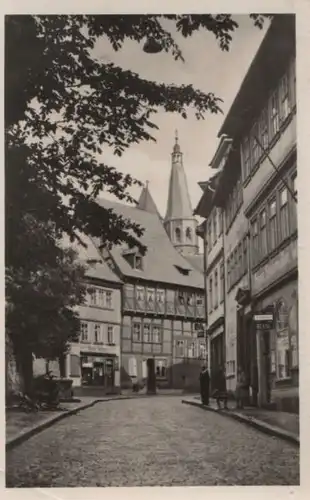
point(204, 386)
point(242, 387)
point(220, 393)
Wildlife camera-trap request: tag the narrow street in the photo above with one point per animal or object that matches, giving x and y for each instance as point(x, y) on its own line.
point(151, 442)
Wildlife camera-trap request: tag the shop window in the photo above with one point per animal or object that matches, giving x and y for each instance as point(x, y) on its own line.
point(161, 368)
point(281, 316)
point(136, 332)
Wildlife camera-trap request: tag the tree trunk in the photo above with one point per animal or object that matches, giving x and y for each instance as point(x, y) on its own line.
point(25, 368)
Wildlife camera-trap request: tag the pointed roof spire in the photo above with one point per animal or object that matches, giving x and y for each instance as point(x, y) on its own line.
point(179, 204)
point(176, 148)
point(146, 201)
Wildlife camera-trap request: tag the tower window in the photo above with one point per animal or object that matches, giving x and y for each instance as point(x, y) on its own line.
point(188, 234)
point(178, 234)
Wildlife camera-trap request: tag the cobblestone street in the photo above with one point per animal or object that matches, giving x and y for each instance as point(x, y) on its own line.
point(151, 442)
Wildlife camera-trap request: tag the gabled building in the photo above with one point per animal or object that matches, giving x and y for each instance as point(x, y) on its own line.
point(163, 311)
point(258, 195)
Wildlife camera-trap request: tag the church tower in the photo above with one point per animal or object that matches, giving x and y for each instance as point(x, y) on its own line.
point(179, 222)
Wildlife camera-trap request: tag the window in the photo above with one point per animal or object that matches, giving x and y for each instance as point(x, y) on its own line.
point(246, 158)
point(190, 299)
point(178, 234)
point(236, 264)
point(97, 333)
point(84, 331)
point(273, 225)
point(108, 298)
point(293, 202)
point(110, 334)
point(255, 242)
point(199, 300)
point(293, 78)
point(147, 333)
point(101, 297)
point(285, 106)
point(216, 297)
point(210, 294)
point(221, 282)
point(220, 222)
point(156, 335)
point(284, 214)
point(180, 349)
point(239, 194)
point(140, 293)
point(263, 234)
point(214, 226)
point(228, 273)
point(161, 368)
point(240, 270)
point(209, 235)
point(202, 354)
point(255, 146)
point(188, 234)
point(160, 296)
point(144, 368)
point(282, 315)
point(93, 295)
point(136, 333)
point(283, 357)
point(138, 262)
point(132, 367)
point(191, 350)
point(245, 255)
point(274, 115)
point(263, 128)
point(150, 294)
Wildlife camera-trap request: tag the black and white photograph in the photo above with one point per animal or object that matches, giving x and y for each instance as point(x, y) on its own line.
point(151, 250)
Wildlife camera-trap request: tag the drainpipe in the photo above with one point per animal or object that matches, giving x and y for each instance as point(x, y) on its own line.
point(205, 268)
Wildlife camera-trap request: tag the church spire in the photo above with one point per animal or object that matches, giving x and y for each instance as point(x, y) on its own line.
point(146, 201)
point(179, 221)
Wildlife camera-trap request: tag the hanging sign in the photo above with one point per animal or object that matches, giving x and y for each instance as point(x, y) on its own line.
point(263, 321)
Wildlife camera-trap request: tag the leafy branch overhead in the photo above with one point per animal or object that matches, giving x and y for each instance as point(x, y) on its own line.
point(64, 108)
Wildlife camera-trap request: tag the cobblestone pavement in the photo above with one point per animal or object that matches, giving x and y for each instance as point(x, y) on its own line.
point(151, 442)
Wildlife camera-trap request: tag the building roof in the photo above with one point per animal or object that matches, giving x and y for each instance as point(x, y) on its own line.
point(162, 260)
point(90, 256)
point(146, 201)
point(196, 261)
point(205, 203)
point(179, 204)
point(278, 43)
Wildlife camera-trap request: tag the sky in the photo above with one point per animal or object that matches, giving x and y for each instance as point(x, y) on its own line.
point(208, 69)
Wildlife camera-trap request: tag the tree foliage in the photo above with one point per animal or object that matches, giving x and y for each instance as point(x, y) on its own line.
point(64, 108)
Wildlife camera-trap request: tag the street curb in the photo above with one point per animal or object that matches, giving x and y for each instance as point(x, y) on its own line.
point(36, 429)
point(271, 430)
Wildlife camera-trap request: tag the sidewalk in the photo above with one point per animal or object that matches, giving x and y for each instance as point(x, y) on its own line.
point(280, 424)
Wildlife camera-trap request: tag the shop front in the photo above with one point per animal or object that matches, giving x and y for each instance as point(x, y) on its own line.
point(277, 348)
point(217, 349)
point(98, 371)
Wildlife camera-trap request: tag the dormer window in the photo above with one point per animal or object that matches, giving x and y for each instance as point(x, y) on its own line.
point(134, 259)
point(178, 234)
point(183, 270)
point(138, 262)
point(188, 234)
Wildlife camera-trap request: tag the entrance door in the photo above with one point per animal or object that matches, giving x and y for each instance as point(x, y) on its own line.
point(151, 377)
point(266, 364)
point(109, 374)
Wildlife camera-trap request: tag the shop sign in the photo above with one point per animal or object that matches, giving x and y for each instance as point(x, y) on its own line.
point(95, 348)
point(263, 321)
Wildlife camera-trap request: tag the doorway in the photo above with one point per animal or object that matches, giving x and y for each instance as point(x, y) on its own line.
point(266, 360)
point(151, 377)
